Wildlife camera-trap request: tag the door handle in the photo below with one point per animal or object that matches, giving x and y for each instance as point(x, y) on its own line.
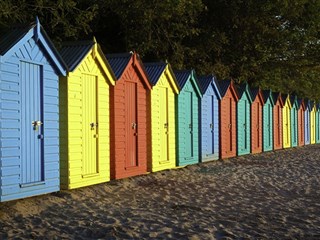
point(134, 125)
point(166, 125)
point(36, 124)
point(190, 125)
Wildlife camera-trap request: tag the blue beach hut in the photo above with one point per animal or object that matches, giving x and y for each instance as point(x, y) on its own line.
point(209, 115)
point(267, 119)
point(29, 151)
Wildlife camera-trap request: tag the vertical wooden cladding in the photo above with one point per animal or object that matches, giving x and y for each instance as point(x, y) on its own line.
point(317, 123)
point(227, 113)
point(84, 123)
point(256, 121)
point(187, 114)
point(277, 121)
point(312, 123)
point(243, 120)
point(294, 120)
point(209, 149)
point(29, 134)
point(130, 116)
point(286, 121)
point(301, 123)
point(163, 119)
point(268, 121)
point(307, 123)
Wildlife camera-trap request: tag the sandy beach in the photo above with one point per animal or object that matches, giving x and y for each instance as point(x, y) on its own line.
point(273, 195)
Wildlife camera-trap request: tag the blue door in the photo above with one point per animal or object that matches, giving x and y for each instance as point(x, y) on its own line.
point(307, 127)
point(189, 125)
point(208, 126)
point(31, 124)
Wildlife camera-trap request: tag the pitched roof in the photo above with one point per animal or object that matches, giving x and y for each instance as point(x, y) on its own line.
point(182, 77)
point(223, 86)
point(266, 94)
point(154, 71)
point(293, 99)
point(300, 102)
point(254, 92)
point(242, 88)
point(74, 52)
point(276, 95)
point(204, 82)
point(10, 37)
point(284, 97)
point(119, 62)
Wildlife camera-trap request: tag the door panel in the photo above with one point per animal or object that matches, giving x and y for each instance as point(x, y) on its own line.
point(32, 162)
point(189, 125)
point(164, 127)
point(89, 125)
point(229, 125)
point(211, 126)
point(131, 125)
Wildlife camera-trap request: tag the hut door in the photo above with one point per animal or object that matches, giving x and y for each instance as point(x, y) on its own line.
point(229, 110)
point(294, 125)
point(189, 125)
point(164, 125)
point(32, 163)
point(211, 130)
point(131, 124)
point(89, 125)
point(301, 125)
point(269, 126)
point(258, 124)
point(278, 129)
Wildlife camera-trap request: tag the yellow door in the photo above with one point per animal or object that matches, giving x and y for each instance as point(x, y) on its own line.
point(89, 125)
point(164, 127)
point(286, 127)
point(312, 126)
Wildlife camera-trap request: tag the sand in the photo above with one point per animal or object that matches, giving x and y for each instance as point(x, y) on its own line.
point(274, 195)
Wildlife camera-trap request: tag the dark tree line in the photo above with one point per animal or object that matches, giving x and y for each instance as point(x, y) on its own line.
point(271, 43)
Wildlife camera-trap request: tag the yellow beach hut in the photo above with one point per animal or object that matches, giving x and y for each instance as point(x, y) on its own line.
point(84, 120)
point(163, 127)
point(286, 122)
point(313, 122)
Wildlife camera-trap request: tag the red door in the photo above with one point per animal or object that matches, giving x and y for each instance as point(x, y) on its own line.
point(131, 124)
point(229, 122)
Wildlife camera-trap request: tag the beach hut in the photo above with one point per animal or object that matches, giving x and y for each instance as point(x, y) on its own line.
point(228, 119)
point(312, 122)
point(317, 123)
point(294, 120)
point(130, 116)
point(307, 122)
point(256, 120)
point(29, 134)
point(286, 121)
point(277, 121)
point(163, 120)
point(85, 118)
point(301, 124)
point(267, 131)
point(187, 115)
point(209, 118)
point(243, 119)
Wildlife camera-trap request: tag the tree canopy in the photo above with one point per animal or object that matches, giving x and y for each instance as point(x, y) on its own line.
point(271, 43)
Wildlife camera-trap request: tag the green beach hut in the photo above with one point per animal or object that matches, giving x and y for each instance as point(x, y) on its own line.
point(294, 120)
point(243, 119)
point(267, 121)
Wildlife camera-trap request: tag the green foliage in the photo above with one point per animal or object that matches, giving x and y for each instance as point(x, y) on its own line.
point(269, 43)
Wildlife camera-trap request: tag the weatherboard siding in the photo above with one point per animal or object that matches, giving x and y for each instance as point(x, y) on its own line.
point(12, 127)
point(73, 165)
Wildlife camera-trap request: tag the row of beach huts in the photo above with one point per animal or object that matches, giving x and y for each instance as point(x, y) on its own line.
point(77, 117)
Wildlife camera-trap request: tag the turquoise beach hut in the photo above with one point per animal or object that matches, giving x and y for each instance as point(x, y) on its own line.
point(318, 123)
point(307, 131)
point(294, 120)
point(267, 125)
point(243, 119)
point(29, 78)
point(187, 115)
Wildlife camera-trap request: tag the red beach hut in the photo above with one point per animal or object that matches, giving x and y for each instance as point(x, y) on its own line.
point(130, 116)
point(228, 116)
point(277, 121)
point(256, 120)
point(301, 109)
